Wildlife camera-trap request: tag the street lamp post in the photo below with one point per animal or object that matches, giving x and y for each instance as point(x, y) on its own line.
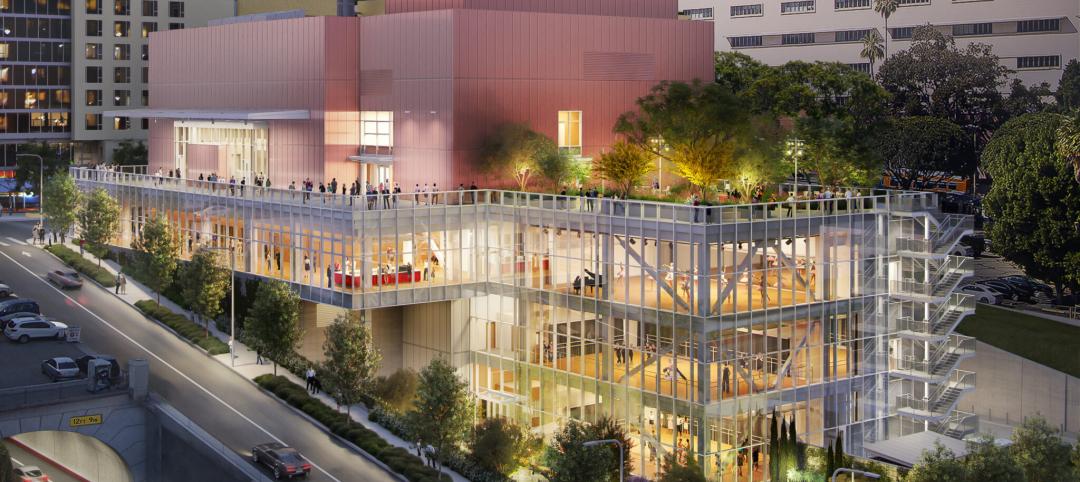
point(795, 151)
point(593, 443)
point(41, 187)
point(232, 298)
point(853, 472)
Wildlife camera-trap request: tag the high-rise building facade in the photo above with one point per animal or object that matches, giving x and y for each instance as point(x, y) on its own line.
point(691, 325)
point(1034, 38)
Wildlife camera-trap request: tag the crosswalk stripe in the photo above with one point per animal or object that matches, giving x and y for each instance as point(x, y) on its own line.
point(16, 241)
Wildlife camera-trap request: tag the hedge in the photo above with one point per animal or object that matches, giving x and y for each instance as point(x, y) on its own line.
point(398, 459)
point(82, 265)
point(185, 327)
point(456, 460)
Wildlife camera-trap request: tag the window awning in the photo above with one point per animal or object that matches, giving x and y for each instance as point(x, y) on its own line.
point(195, 114)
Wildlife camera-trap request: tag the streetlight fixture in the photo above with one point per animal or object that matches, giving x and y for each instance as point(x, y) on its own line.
point(41, 187)
point(232, 297)
point(853, 472)
point(593, 443)
point(795, 151)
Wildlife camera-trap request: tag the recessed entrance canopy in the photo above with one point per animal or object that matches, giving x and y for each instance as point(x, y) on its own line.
point(241, 115)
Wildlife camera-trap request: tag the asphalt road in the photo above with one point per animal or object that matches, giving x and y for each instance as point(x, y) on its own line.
point(213, 396)
point(20, 457)
point(22, 362)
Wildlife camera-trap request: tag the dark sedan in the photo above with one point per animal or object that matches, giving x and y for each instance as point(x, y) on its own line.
point(283, 461)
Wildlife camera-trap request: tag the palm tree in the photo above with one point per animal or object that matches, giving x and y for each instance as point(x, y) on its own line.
point(872, 49)
point(886, 8)
point(1068, 142)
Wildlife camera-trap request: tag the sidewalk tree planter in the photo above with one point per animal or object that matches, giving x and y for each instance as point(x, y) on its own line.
point(185, 327)
point(157, 254)
point(273, 323)
point(204, 283)
point(98, 218)
point(351, 360)
point(63, 196)
point(100, 275)
point(443, 410)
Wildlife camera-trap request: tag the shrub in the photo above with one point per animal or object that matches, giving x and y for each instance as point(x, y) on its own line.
point(398, 390)
point(398, 459)
point(185, 327)
point(101, 275)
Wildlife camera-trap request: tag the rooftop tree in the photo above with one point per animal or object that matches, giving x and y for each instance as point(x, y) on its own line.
point(625, 166)
point(523, 153)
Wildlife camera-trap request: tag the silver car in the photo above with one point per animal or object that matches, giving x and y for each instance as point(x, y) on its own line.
point(59, 368)
point(24, 329)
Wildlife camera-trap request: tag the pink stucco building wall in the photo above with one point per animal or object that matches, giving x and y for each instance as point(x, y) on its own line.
point(449, 75)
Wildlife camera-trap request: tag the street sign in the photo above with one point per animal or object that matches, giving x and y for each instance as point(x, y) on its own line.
point(84, 420)
point(74, 333)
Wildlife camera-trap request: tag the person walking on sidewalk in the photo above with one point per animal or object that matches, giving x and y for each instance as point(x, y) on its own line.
point(316, 386)
point(118, 283)
point(309, 376)
point(123, 284)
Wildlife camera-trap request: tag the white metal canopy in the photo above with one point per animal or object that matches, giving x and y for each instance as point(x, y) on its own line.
point(241, 115)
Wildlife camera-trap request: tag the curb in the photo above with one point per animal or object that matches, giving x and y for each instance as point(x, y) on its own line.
point(333, 435)
point(73, 474)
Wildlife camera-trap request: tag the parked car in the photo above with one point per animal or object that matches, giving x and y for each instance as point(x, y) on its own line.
point(983, 294)
point(1010, 291)
point(283, 461)
point(31, 327)
point(30, 473)
point(1029, 283)
point(962, 250)
point(60, 367)
point(114, 370)
point(18, 307)
point(976, 242)
point(5, 291)
point(65, 279)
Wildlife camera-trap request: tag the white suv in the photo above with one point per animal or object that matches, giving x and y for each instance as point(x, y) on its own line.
point(23, 329)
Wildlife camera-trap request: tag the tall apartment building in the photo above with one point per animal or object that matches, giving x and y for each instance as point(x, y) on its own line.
point(63, 63)
point(1034, 38)
point(691, 325)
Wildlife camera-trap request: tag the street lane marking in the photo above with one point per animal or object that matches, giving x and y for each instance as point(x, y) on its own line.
point(163, 362)
point(16, 241)
point(5, 244)
point(27, 254)
point(13, 459)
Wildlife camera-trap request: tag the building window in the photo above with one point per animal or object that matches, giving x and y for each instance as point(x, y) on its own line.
point(121, 98)
point(176, 9)
point(121, 75)
point(800, 6)
point(5, 50)
point(698, 13)
point(845, 4)
point(145, 51)
point(149, 8)
point(570, 132)
point(121, 123)
point(852, 35)
point(93, 122)
point(146, 75)
point(93, 74)
point(1045, 25)
point(144, 123)
point(120, 29)
point(148, 28)
point(93, 51)
point(93, 6)
point(1039, 62)
point(122, 7)
point(377, 128)
point(972, 29)
point(747, 41)
point(797, 38)
point(746, 10)
point(145, 98)
point(914, 2)
point(93, 28)
point(176, 26)
point(122, 52)
point(901, 33)
point(863, 67)
point(93, 98)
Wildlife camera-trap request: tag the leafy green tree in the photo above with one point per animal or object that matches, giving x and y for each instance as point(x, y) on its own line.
point(569, 460)
point(1040, 452)
point(830, 461)
point(933, 77)
point(28, 169)
point(501, 445)
point(1027, 100)
point(886, 8)
point(351, 360)
point(130, 154)
point(737, 71)
point(986, 460)
point(158, 253)
point(696, 127)
point(273, 323)
point(938, 465)
point(1076, 459)
point(609, 428)
point(552, 163)
point(840, 459)
point(521, 152)
point(626, 166)
point(674, 471)
point(1068, 142)
point(1068, 92)
point(1033, 193)
point(872, 49)
point(7, 470)
point(443, 410)
point(774, 448)
point(927, 148)
point(398, 390)
point(205, 282)
point(98, 219)
point(63, 196)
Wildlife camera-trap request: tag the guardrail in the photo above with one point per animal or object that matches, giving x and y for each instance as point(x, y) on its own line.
point(17, 398)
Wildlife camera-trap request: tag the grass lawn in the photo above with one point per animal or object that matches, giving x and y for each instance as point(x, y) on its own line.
point(1048, 342)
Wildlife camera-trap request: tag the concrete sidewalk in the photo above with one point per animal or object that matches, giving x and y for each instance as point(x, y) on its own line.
point(244, 364)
